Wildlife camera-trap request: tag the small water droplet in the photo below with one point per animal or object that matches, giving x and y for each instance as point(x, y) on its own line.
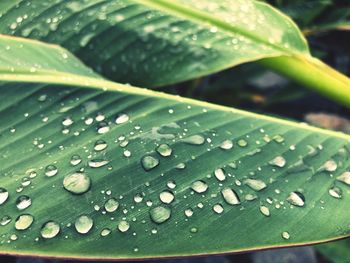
point(199, 186)
point(123, 226)
point(75, 160)
point(105, 232)
point(160, 214)
point(278, 161)
point(189, 212)
point(329, 166)
point(335, 192)
point(4, 194)
point(255, 184)
point(285, 235)
point(122, 118)
point(138, 198)
point(242, 143)
point(23, 202)
point(220, 174)
point(97, 163)
point(77, 183)
point(149, 162)
point(230, 196)
point(100, 145)
point(296, 199)
point(23, 222)
point(51, 170)
point(111, 205)
point(166, 197)
point(265, 210)
point(50, 230)
point(218, 208)
point(83, 224)
point(226, 145)
point(164, 150)
point(194, 140)
point(5, 220)
point(67, 122)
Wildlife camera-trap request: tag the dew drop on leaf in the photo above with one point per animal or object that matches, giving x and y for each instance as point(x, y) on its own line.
point(230, 196)
point(218, 208)
point(4, 194)
point(105, 232)
point(296, 199)
point(255, 184)
point(160, 214)
point(199, 186)
point(50, 229)
point(23, 222)
point(164, 150)
point(194, 140)
point(97, 163)
point(23, 202)
point(242, 143)
point(67, 122)
point(335, 192)
point(83, 224)
point(100, 145)
point(111, 205)
point(265, 210)
point(77, 183)
point(122, 118)
point(51, 170)
point(75, 160)
point(220, 174)
point(149, 162)
point(5, 220)
point(285, 235)
point(278, 161)
point(123, 226)
point(188, 212)
point(166, 197)
point(226, 145)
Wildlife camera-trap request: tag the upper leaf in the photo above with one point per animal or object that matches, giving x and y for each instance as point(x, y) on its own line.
point(156, 42)
point(95, 169)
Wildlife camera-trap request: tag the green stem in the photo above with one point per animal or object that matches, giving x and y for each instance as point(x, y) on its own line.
point(314, 74)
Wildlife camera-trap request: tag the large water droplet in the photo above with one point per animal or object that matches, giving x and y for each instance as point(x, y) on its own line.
point(164, 150)
point(226, 145)
point(160, 214)
point(218, 208)
point(194, 140)
point(255, 184)
point(121, 118)
point(220, 174)
point(123, 226)
point(149, 162)
point(100, 145)
point(199, 186)
point(77, 183)
point(4, 194)
point(23, 202)
point(335, 192)
point(329, 166)
point(97, 163)
point(51, 170)
point(166, 197)
point(111, 205)
point(230, 196)
point(67, 122)
point(296, 198)
point(344, 177)
point(83, 224)
point(23, 222)
point(265, 210)
point(278, 161)
point(50, 229)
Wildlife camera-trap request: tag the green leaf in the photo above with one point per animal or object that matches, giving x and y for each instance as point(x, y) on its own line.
point(152, 43)
point(92, 153)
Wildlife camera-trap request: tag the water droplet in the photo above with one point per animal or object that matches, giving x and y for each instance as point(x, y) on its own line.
point(23, 202)
point(199, 186)
point(123, 226)
point(194, 230)
point(171, 184)
point(83, 224)
point(97, 163)
point(23, 222)
point(242, 143)
point(255, 184)
point(265, 210)
point(194, 140)
point(160, 214)
point(278, 161)
point(285, 235)
point(344, 177)
point(226, 145)
point(164, 150)
point(67, 122)
point(149, 162)
point(329, 166)
point(230, 196)
point(218, 208)
point(189, 212)
point(278, 138)
point(220, 174)
point(103, 128)
point(4, 194)
point(122, 118)
point(105, 232)
point(77, 183)
point(50, 229)
point(296, 198)
point(166, 197)
point(100, 145)
point(138, 198)
point(335, 192)
point(5, 220)
point(51, 170)
point(75, 160)
point(111, 205)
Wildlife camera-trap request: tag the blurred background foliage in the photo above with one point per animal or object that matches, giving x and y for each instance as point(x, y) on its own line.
point(326, 25)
